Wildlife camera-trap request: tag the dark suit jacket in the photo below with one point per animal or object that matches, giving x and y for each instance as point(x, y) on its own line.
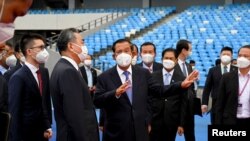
point(123, 119)
point(3, 95)
point(84, 75)
point(30, 111)
point(156, 66)
point(74, 110)
point(227, 99)
point(10, 72)
point(172, 108)
point(212, 83)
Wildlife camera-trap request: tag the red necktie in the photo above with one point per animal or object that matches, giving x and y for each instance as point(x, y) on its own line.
point(39, 76)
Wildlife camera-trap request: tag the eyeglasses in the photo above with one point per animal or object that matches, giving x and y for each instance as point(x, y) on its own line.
point(42, 47)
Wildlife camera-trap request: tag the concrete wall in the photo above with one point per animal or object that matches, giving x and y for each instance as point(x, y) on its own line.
point(55, 21)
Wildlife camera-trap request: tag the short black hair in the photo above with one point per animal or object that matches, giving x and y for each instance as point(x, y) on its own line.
point(121, 41)
point(17, 47)
point(245, 46)
point(227, 49)
point(66, 36)
point(182, 44)
point(8, 43)
point(191, 62)
point(169, 50)
point(146, 44)
point(27, 38)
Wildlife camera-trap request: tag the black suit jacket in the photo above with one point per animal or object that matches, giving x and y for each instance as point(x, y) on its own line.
point(156, 66)
point(171, 110)
point(74, 110)
point(212, 83)
point(124, 121)
point(84, 75)
point(10, 72)
point(3, 95)
point(29, 110)
point(227, 99)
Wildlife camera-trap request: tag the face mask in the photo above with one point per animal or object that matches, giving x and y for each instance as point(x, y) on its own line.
point(123, 59)
point(6, 30)
point(134, 60)
point(84, 52)
point(42, 56)
point(193, 67)
point(225, 59)
point(11, 60)
point(22, 59)
point(88, 62)
point(168, 64)
point(243, 62)
point(147, 58)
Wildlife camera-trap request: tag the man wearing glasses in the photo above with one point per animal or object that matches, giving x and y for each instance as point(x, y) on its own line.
point(29, 97)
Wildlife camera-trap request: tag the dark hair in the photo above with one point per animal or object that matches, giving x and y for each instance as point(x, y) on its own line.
point(28, 38)
point(8, 43)
point(146, 44)
point(17, 47)
point(182, 44)
point(121, 41)
point(245, 46)
point(134, 45)
point(169, 50)
point(217, 62)
point(66, 36)
point(191, 62)
point(227, 49)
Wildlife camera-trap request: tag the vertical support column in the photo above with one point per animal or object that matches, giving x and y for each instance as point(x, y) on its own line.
point(145, 3)
point(72, 4)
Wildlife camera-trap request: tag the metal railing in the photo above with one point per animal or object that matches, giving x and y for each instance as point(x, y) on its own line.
point(90, 25)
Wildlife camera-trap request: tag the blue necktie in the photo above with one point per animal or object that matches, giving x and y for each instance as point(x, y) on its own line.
point(225, 69)
point(184, 69)
point(129, 90)
point(166, 79)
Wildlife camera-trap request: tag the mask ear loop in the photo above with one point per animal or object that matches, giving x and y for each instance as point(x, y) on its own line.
point(1, 13)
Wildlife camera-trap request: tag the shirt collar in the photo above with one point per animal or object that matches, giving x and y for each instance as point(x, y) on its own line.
point(239, 73)
point(31, 67)
point(120, 71)
point(180, 61)
point(71, 61)
point(165, 72)
point(145, 66)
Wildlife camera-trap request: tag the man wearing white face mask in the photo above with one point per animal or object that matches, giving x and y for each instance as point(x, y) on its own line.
point(74, 109)
point(7, 58)
point(20, 62)
point(29, 96)
point(123, 93)
point(89, 74)
point(168, 112)
point(233, 100)
point(135, 54)
point(213, 80)
point(148, 52)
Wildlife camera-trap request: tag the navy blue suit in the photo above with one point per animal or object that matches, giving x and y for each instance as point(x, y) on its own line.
point(10, 72)
point(31, 112)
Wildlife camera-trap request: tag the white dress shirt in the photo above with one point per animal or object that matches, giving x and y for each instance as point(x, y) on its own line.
point(89, 76)
point(164, 72)
point(180, 62)
point(149, 68)
point(72, 62)
point(222, 68)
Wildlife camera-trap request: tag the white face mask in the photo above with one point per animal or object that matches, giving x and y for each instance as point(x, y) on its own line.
point(123, 59)
point(6, 30)
point(22, 59)
point(168, 64)
point(243, 62)
point(11, 61)
point(42, 56)
point(134, 60)
point(190, 53)
point(88, 62)
point(147, 58)
point(84, 52)
point(225, 59)
point(193, 67)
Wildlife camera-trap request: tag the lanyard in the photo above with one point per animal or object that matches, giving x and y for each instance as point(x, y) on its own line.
point(240, 93)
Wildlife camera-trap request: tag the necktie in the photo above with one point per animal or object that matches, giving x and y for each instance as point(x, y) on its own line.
point(129, 90)
point(225, 69)
point(40, 82)
point(166, 79)
point(184, 69)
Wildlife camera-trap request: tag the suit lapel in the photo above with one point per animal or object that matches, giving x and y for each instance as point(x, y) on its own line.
point(31, 78)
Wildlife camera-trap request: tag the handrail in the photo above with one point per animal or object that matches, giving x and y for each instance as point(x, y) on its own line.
point(90, 25)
